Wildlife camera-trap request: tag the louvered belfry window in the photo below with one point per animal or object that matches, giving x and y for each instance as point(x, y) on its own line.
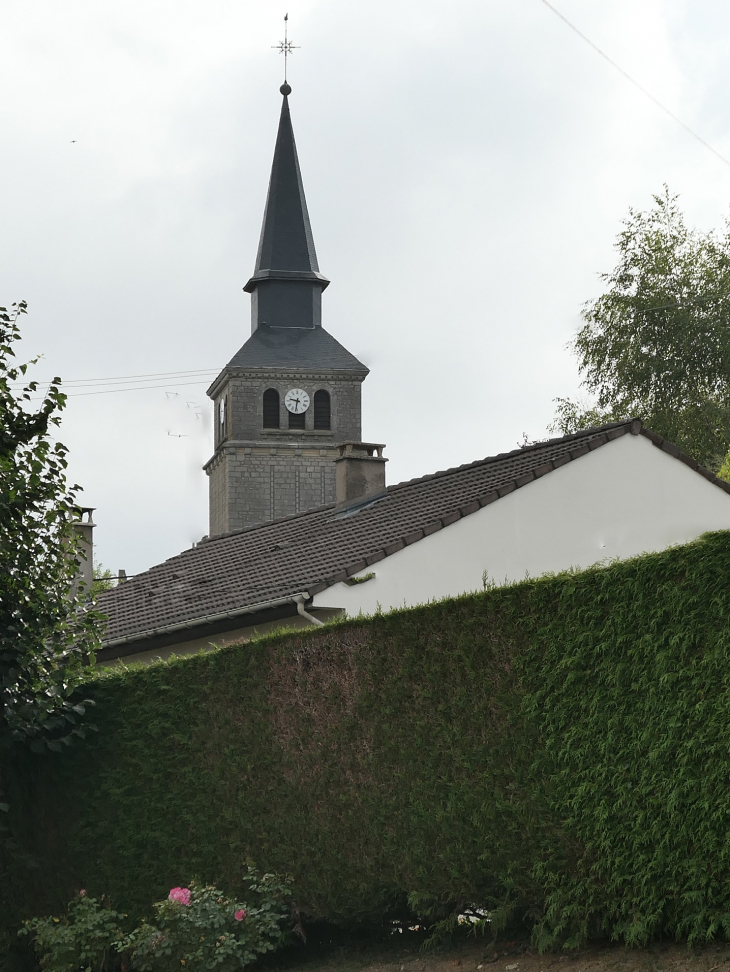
point(322, 409)
point(271, 409)
point(296, 421)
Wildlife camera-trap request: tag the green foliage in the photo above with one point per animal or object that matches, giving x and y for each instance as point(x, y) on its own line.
point(361, 580)
point(350, 760)
point(634, 705)
point(571, 417)
point(83, 939)
point(724, 470)
point(212, 931)
point(199, 929)
point(47, 635)
point(656, 344)
point(104, 580)
point(444, 917)
point(555, 751)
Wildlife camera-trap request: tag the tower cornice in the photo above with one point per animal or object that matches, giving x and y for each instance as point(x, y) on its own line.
point(286, 275)
point(284, 375)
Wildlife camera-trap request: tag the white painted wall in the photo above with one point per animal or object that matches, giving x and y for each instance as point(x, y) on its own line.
point(626, 498)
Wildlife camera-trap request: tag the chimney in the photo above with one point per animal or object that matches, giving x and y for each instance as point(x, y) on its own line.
point(359, 473)
point(85, 530)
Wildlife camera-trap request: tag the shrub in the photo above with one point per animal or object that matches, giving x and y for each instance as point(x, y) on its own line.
point(201, 929)
point(82, 939)
point(196, 929)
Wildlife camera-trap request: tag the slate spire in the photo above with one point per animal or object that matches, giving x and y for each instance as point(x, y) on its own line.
point(286, 286)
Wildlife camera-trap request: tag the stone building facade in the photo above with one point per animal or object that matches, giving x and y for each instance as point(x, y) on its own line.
point(271, 461)
point(259, 474)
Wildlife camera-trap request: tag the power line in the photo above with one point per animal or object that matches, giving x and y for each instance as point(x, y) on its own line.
point(90, 382)
point(156, 376)
point(635, 83)
point(125, 383)
point(112, 391)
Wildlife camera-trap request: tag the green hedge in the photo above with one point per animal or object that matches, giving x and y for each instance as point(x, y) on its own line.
point(562, 744)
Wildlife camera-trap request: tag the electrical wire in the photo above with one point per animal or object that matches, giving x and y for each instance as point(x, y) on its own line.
point(127, 382)
point(122, 379)
point(635, 83)
point(111, 391)
point(89, 382)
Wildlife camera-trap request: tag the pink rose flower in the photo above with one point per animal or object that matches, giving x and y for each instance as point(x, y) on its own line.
point(239, 915)
point(181, 895)
point(82, 892)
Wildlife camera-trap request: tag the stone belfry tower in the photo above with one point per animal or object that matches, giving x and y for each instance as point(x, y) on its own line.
point(292, 392)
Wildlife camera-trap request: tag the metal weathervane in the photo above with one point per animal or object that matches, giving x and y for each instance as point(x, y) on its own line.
point(285, 47)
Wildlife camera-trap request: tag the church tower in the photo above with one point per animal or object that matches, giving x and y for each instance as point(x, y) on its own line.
point(292, 393)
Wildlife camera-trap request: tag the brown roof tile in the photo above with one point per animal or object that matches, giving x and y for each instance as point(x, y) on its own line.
point(311, 550)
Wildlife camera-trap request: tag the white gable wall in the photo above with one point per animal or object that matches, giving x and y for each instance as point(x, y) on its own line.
point(625, 498)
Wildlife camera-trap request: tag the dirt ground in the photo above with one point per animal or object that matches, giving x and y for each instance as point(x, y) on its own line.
point(511, 957)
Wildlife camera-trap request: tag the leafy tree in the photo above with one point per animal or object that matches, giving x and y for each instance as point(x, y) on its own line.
point(104, 580)
point(656, 343)
point(724, 470)
point(48, 634)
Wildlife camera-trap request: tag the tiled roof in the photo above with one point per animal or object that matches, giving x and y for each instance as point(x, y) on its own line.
point(302, 349)
point(311, 551)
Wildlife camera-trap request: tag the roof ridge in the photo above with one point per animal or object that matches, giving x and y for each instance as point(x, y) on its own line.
point(484, 499)
point(519, 451)
point(672, 450)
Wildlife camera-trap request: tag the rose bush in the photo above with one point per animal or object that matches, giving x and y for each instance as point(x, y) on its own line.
point(196, 929)
point(200, 929)
point(180, 894)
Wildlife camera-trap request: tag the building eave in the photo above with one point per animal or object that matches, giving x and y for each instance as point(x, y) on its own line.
point(195, 628)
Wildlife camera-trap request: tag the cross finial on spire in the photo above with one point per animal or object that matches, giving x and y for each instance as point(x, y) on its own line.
point(285, 47)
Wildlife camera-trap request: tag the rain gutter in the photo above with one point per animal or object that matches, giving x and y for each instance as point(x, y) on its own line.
point(298, 599)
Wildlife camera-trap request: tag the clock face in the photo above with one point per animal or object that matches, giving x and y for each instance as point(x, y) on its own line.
point(296, 400)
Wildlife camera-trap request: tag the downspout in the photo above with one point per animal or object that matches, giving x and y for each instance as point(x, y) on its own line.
point(300, 599)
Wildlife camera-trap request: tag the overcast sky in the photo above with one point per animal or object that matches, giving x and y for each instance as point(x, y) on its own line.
point(467, 165)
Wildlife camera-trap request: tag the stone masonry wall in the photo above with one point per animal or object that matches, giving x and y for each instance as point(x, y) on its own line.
point(254, 484)
point(258, 474)
point(246, 396)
